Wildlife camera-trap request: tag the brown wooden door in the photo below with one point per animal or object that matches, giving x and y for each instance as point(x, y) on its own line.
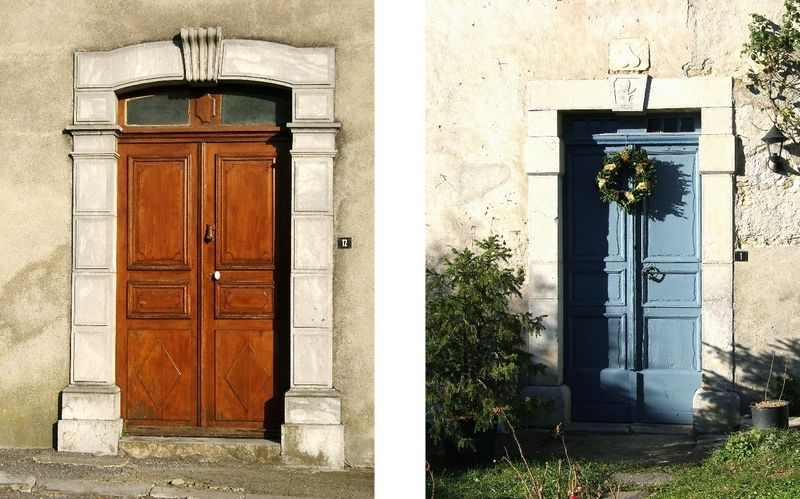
point(197, 347)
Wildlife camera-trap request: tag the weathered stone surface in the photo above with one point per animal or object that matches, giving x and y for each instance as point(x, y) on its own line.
point(313, 445)
point(561, 397)
point(17, 482)
point(214, 449)
point(715, 412)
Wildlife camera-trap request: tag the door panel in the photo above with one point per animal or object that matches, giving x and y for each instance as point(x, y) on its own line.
point(245, 209)
point(159, 212)
point(156, 312)
point(239, 355)
point(632, 289)
point(160, 375)
point(244, 369)
point(196, 350)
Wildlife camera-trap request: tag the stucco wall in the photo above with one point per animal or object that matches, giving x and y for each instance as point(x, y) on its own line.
point(37, 43)
point(480, 58)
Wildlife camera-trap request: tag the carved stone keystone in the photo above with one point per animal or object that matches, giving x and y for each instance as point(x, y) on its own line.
point(202, 49)
point(628, 92)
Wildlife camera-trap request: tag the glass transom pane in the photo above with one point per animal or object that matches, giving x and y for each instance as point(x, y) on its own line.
point(160, 109)
point(241, 108)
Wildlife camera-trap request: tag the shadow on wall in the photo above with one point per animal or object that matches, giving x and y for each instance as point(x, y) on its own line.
point(753, 368)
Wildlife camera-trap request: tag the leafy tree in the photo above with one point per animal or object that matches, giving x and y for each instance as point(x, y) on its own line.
point(475, 362)
point(775, 50)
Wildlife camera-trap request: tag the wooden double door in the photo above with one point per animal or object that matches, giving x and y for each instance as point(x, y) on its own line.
point(200, 349)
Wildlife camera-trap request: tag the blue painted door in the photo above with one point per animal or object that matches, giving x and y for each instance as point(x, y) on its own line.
point(632, 285)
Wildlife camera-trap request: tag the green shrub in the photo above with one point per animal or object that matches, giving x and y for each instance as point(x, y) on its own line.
point(475, 362)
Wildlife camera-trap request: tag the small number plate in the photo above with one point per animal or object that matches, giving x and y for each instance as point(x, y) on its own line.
point(344, 242)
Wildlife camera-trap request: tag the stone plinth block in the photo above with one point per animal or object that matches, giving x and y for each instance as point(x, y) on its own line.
point(560, 396)
point(317, 445)
point(90, 436)
point(716, 412)
point(313, 407)
point(90, 402)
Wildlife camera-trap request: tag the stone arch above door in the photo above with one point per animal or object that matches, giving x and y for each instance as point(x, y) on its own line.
point(716, 406)
point(90, 416)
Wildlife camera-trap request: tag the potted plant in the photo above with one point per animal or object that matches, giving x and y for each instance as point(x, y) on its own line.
point(771, 412)
point(475, 362)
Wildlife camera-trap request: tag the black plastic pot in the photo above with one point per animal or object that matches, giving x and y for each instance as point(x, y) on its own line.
point(775, 414)
point(484, 447)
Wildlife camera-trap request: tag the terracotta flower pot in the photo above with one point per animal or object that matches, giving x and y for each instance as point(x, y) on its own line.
point(769, 414)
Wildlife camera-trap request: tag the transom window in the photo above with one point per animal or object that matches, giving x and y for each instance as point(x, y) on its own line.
point(231, 107)
point(592, 124)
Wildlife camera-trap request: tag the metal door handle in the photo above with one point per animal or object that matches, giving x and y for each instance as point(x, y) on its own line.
point(209, 236)
point(651, 272)
point(215, 276)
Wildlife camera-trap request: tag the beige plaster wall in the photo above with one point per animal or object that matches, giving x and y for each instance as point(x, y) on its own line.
point(482, 54)
point(37, 42)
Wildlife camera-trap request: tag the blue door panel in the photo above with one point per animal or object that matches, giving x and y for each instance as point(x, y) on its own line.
point(591, 286)
point(596, 235)
point(605, 395)
point(672, 343)
point(599, 351)
point(666, 396)
point(677, 287)
point(632, 340)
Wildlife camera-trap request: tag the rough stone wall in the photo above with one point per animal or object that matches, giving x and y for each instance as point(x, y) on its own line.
point(482, 54)
point(37, 42)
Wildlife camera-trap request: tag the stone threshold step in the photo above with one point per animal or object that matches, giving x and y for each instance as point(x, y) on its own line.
point(243, 450)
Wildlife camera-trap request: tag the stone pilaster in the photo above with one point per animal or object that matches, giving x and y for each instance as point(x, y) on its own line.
point(90, 405)
point(312, 434)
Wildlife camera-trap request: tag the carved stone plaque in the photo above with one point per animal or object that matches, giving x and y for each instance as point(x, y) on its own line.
point(629, 54)
point(628, 92)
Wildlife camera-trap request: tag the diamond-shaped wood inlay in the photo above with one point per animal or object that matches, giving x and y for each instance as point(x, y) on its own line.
point(247, 375)
point(158, 374)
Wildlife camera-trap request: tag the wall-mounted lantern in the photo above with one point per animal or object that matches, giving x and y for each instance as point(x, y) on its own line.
point(774, 140)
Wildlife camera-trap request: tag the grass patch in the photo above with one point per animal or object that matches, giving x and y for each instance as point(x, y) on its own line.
point(759, 463)
point(500, 481)
point(754, 464)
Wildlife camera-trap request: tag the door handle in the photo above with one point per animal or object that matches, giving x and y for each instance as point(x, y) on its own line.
point(209, 235)
point(215, 276)
point(652, 273)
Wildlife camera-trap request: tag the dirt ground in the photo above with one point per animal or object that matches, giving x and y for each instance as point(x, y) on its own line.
point(60, 475)
point(643, 443)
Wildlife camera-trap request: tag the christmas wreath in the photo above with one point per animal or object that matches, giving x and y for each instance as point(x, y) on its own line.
point(643, 177)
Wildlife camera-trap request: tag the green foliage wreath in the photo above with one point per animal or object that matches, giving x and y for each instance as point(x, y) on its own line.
point(644, 176)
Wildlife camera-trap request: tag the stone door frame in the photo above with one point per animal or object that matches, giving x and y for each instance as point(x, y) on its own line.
point(716, 407)
point(90, 406)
